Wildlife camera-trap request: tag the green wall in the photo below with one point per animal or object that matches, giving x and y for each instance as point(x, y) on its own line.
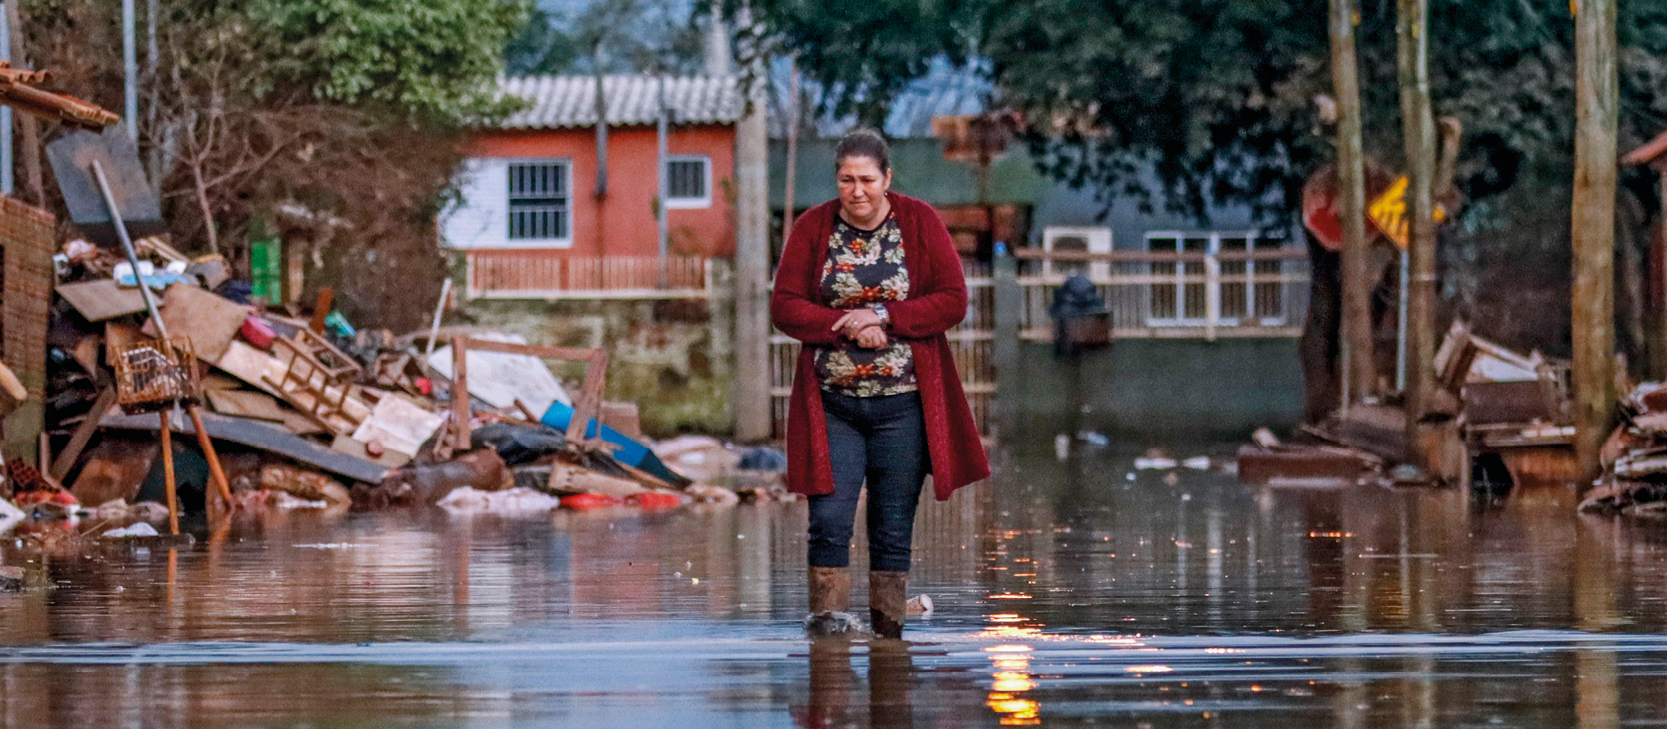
point(1159, 391)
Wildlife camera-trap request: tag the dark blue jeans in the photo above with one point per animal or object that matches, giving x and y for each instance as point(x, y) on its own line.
point(880, 440)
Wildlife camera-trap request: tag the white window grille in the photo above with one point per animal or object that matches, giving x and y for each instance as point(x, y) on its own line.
point(1221, 285)
point(688, 181)
point(539, 201)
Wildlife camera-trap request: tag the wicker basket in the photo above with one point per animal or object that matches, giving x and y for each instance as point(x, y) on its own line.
point(153, 375)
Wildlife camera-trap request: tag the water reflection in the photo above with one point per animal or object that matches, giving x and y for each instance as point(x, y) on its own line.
point(1067, 593)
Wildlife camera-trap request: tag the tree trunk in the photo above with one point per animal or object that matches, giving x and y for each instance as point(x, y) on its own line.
point(1418, 135)
point(1319, 346)
point(1359, 372)
point(206, 208)
point(1596, 100)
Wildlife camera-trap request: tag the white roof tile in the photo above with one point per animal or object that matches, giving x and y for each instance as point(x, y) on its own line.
point(570, 101)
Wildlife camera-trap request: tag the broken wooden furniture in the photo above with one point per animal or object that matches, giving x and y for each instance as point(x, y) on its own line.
point(318, 380)
point(585, 410)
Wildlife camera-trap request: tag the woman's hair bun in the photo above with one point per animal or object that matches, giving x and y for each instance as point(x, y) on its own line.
point(864, 142)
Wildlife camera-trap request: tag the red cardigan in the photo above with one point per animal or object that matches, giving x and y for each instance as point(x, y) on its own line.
point(937, 301)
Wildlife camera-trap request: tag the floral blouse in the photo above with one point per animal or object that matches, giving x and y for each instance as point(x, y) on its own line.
point(865, 267)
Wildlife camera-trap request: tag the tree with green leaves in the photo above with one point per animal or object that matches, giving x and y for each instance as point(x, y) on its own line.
point(541, 48)
point(861, 54)
point(345, 118)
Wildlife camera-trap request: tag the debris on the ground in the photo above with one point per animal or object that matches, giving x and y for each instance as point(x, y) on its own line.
point(1155, 460)
point(1306, 465)
point(313, 412)
point(308, 485)
point(510, 501)
point(918, 605)
point(10, 517)
point(1634, 481)
point(138, 529)
point(702, 458)
point(1488, 401)
point(428, 483)
point(499, 379)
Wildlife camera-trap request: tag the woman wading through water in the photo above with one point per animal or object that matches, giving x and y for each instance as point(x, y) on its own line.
point(869, 283)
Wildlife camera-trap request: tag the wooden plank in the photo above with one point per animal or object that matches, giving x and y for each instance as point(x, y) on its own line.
point(460, 392)
point(246, 404)
point(83, 433)
point(100, 300)
point(209, 320)
point(264, 436)
point(388, 459)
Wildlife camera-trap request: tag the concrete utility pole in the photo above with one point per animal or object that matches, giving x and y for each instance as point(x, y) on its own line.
point(7, 173)
point(130, 68)
point(1597, 95)
point(29, 136)
point(790, 112)
point(1418, 134)
point(752, 257)
point(1359, 367)
point(660, 133)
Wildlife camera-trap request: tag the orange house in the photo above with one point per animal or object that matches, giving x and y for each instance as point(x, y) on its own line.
point(533, 222)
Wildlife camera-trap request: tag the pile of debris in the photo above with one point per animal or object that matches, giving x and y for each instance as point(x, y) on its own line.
point(306, 412)
point(1489, 401)
point(1634, 480)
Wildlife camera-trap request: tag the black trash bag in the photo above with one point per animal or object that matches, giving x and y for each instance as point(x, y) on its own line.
point(1076, 297)
point(516, 443)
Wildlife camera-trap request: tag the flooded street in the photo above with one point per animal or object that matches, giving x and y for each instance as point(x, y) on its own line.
point(1068, 593)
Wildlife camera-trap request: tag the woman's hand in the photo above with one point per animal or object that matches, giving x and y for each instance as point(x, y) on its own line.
point(856, 321)
point(873, 337)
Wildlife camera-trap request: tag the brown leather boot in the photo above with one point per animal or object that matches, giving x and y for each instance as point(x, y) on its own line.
point(888, 599)
point(830, 601)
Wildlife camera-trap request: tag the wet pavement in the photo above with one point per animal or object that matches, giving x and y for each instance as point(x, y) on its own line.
point(1068, 594)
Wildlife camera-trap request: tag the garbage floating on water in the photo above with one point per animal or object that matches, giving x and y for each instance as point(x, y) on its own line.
point(518, 500)
point(140, 529)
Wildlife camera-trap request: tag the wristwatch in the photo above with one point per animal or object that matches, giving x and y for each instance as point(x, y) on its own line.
point(885, 316)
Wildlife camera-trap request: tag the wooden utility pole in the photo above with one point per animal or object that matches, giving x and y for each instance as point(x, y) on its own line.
point(29, 137)
point(1359, 368)
point(1597, 94)
point(752, 257)
point(1418, 134)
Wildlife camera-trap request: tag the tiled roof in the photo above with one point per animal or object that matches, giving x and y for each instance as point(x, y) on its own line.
point(570, 101)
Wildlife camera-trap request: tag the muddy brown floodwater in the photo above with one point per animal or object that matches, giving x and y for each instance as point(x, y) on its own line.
point(1068, 593)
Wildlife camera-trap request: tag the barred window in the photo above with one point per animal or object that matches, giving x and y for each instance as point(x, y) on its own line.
point(538, 201)
point(687, 182)
point(1244, 290)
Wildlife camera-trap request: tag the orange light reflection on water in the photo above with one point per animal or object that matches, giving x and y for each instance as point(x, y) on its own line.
point(1012, 677)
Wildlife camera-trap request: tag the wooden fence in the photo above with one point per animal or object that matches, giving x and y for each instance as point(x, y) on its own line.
point(541, 274)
